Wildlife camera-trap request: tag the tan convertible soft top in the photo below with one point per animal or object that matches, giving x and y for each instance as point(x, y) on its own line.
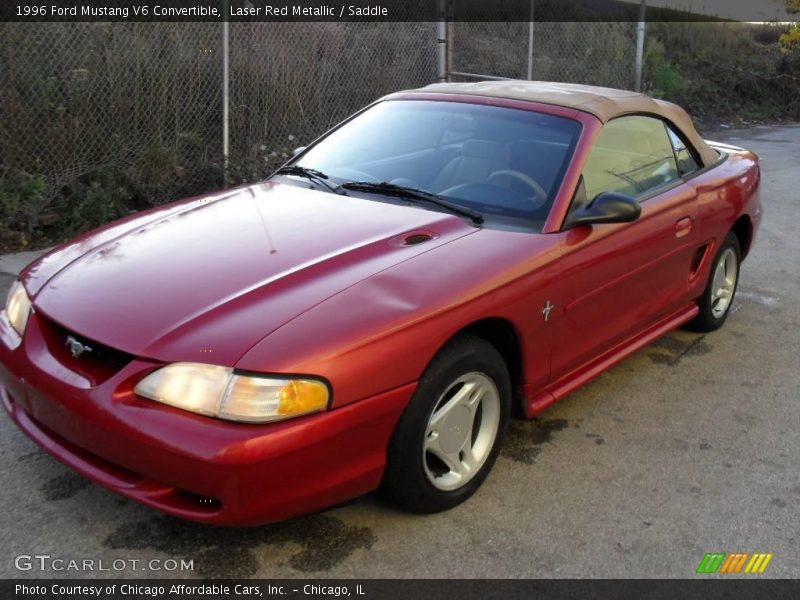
point(603, 103)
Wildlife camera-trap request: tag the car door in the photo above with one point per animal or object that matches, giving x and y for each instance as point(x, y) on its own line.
point(620, 278)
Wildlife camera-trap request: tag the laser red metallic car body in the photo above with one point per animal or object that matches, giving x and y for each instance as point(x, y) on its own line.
point(278, 278)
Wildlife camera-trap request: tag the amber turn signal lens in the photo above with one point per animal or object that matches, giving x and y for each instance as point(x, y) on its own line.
point(301, 396)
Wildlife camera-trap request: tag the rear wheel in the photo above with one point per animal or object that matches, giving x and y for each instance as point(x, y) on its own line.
point(450, 434)
point(717, 299)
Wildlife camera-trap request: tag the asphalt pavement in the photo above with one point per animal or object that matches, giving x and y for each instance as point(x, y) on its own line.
point(690, 446)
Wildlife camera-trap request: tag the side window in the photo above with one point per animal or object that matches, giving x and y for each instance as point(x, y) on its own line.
point(632, 155)
point(686, 161)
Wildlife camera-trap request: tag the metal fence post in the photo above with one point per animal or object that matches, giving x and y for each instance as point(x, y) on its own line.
point(441, 42)
point(530, 43)
point(640, 44)
point(225, 95)
point(451, 30)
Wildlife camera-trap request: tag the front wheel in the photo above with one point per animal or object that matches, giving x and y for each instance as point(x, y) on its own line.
point(450, 434)
point(717, 299)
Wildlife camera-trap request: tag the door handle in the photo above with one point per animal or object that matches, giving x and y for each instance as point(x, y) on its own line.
point(683, 227)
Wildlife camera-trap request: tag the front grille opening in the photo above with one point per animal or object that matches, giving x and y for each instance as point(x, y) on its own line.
point(99, 352)
point(97, 364)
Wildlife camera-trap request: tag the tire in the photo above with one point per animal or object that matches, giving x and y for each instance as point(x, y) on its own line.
point(723, 279)
point(450, 434)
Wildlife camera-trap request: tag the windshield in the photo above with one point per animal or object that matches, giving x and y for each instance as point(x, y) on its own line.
point(506, 164)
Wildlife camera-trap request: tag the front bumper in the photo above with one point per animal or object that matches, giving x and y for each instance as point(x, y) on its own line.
point(188, 465)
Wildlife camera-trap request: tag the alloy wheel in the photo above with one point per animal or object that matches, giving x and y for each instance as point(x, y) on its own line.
point(461, 431)
point(723, 285)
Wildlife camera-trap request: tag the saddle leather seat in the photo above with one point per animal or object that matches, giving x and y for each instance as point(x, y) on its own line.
point(476, 161)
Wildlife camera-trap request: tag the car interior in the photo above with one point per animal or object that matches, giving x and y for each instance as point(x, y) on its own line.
point(497, 161)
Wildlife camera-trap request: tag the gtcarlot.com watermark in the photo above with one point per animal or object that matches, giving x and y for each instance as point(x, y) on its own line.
point(48, 562)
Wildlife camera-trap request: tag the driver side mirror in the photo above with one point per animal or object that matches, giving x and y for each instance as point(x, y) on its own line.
point(298, 150)
point(607, 207)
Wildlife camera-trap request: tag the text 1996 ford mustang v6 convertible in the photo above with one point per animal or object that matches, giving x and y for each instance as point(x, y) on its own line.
point(372, 314)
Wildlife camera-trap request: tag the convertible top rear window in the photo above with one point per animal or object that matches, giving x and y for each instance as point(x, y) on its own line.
point(505, 163)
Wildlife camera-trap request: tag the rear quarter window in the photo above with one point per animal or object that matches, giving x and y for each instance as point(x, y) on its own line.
point(633, 156)
point(687, 163)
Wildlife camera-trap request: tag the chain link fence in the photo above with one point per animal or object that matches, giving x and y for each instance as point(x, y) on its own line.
point(81, 97)
point(290, 82)
point(597, 53)
point(97, 119)
point(100, 119)
point(144, 100)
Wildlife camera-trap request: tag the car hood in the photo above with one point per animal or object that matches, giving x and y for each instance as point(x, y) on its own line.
point(207, 279)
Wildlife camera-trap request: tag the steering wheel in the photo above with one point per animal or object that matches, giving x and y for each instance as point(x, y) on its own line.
point(527, 180)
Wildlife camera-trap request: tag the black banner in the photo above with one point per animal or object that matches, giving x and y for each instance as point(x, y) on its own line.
point(714, 588)
point(393, 10)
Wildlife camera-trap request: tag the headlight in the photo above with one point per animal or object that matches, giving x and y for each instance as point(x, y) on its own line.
point(18, 307)
point(221, 393)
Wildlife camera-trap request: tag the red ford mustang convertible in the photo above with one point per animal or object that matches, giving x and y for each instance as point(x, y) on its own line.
point(372, 314)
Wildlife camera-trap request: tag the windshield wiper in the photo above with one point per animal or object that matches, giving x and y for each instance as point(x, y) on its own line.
point(391, 189)
point(317, 177)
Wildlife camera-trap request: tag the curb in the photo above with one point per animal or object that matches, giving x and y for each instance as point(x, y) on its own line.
point(12, 264)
